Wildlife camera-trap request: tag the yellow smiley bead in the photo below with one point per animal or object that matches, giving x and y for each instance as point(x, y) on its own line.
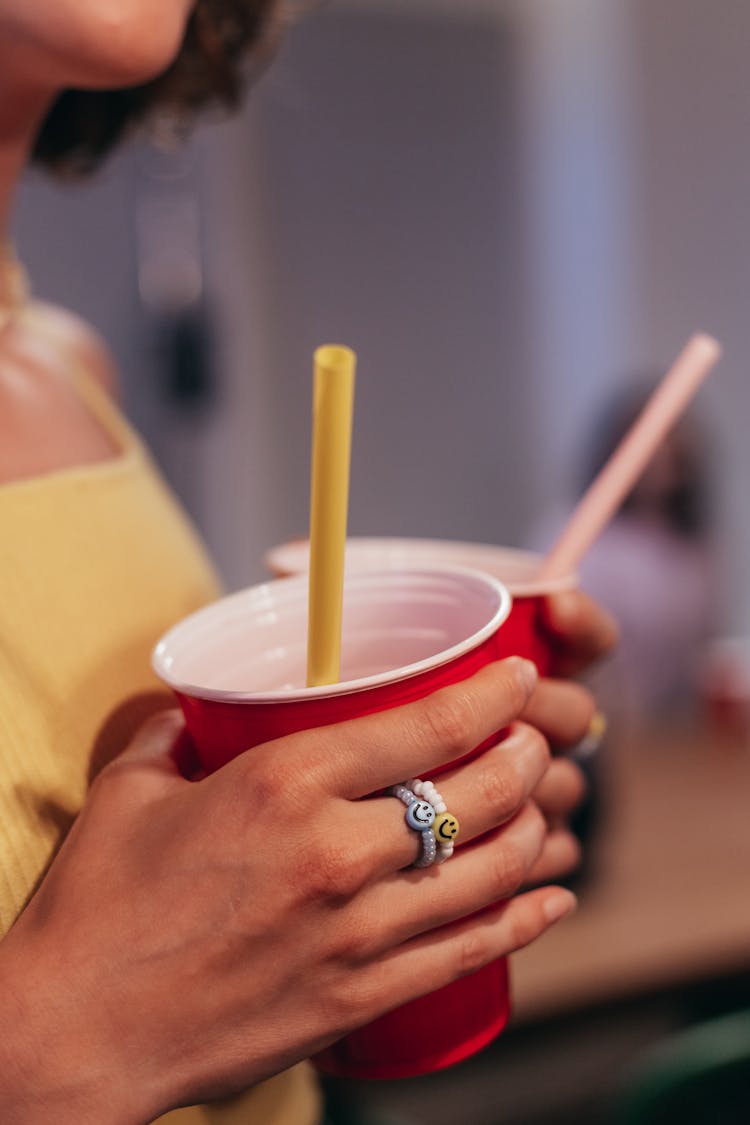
point(445, 828)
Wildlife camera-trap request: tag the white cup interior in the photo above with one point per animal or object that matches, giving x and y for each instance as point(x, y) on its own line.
point(253, 644)
point(518, 570)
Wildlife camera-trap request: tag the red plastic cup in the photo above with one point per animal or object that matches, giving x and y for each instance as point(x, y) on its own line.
point(523, 633)
point(237, 668)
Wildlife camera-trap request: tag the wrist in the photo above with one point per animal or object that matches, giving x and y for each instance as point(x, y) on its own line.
point(53, 1064)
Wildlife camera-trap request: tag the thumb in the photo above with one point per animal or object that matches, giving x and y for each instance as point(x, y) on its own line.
point(162, 745)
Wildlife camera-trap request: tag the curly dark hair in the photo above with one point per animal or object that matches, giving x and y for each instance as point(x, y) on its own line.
point(84, 125)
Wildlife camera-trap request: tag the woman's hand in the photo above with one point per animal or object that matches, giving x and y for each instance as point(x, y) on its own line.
point(193, 938)
point(581, 632)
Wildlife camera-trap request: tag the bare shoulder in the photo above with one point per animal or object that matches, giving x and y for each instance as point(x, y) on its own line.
point(44, 423)
point(78, 339)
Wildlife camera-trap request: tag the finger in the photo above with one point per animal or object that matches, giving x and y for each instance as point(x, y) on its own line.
point(158, 745)
point(488, 791)
point(483, 795)
point(433, 960)
point(562, 710)
point(368, 754)
point(559, 857)
point(561, 790)
point(407, 903)
point(582, 629)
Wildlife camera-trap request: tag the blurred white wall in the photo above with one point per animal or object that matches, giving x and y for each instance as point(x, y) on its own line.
point(575, 107)
point(506, 208)
point(692, 107)
point(379, 159)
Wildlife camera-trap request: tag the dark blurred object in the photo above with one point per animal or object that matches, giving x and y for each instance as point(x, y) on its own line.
point(699, 1077)
point(170, 252)
point(342, 1109)
point(186, 353)
point(587, 820)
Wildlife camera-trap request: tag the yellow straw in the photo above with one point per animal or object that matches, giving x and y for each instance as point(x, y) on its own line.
point(333, 402)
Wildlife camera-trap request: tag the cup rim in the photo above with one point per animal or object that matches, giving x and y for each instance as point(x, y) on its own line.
point(282, 560)
point(296, 586)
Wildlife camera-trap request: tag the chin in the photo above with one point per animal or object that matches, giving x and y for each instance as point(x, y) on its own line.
point(103, 44)
point(132, 41)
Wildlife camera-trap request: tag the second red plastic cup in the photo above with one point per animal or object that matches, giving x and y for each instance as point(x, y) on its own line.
point(523, 633)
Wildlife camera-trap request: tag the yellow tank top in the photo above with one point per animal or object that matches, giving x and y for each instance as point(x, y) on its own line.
point(95, 563)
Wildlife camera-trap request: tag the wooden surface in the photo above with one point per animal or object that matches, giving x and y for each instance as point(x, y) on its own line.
point(669, 899)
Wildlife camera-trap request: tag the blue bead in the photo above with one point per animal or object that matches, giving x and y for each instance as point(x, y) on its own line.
point(420, 815)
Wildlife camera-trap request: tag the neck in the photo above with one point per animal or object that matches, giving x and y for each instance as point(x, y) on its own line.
point(21, 112)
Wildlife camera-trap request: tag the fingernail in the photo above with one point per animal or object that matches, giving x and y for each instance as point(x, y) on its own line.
point(526, 672)
point(559, 904)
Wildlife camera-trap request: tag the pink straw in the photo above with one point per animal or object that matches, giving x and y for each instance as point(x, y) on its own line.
point(606, 493)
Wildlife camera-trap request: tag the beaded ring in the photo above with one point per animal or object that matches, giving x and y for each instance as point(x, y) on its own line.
point(445, 826)
point(420, 816)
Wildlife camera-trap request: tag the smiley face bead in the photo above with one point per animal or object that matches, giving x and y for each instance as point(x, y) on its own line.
point(445, 828)
point(420, 816)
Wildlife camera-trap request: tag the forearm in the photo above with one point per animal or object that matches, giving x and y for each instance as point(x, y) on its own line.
point(51, 1066)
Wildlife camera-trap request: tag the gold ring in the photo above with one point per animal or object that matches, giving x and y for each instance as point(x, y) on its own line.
point(593, 737)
